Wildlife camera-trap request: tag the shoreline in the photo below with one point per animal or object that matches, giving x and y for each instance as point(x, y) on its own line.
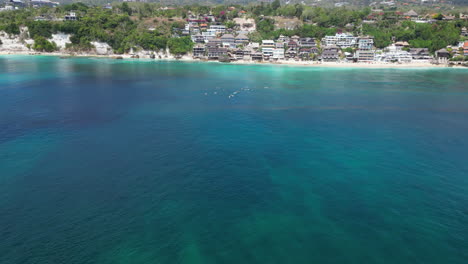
point(315, 64)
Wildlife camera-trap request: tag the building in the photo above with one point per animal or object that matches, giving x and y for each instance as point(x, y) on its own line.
point(442, 56)
point(401, 44)
point(365, 55)
point(209, 35)
point(365, 43)
point(71, 16)
point(292, 44)
point(465, 48)
point(268, 44)
point(342, 40)
point(257, 56)
point(411, 14)
point(228, 38)
point(215, 52)
point(241, 39)
point(365, 52)
point(420, 54)
point(199, 51)
point(464, 32)
point(283, 39)
point(394, 54)
point(198, 38)
point(291, 53)
point(278, 53)
point(15, 3)
point(239, 54)
point(305, 54)
point(40, 3)
point(330, 53)
point(218, 29)
point(307, 43)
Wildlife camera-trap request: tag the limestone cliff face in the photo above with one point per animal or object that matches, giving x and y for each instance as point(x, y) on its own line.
point(102, 48)
point(22, 43)
point(15, 43)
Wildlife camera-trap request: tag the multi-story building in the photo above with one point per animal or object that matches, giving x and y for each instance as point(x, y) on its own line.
point(464, 32)
point(219, 29)
point(241, 39)
point(228, 38)
point(365, 52)
point(278, 53)
point(365, 43)
point(365, 55)
point(420, 54)
point(198, 38)
point(268, 46)
point(330, 53)
point(394, 54)
point(342, 40)
point(199, 51)
point(307, 43)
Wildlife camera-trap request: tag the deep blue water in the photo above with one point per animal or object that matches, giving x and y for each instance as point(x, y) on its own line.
point(106, 161)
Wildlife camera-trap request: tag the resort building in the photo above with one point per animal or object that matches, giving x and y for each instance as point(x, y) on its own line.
point(420, 54)
point(241, 39)
point(268, 46)
point(218, 29)
point(71, 17)
point(307, 43)
point(341, 40)
point(464, 32)
point(208, 35)
point(278, 54)
point(228, 38)
point(442, 56)
point(216, 53)
point(394, 54)
point(292, 44)
point(365, 52)
point(291, 53)
point(365, 55)
point(330, 53)
point(365, 43)
point(198, 38)
point(199, 51)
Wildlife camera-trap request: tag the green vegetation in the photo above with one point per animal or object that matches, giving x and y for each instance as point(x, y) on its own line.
point(133, 26)
point(42, 44)
point(433, 36)
point(180, 46)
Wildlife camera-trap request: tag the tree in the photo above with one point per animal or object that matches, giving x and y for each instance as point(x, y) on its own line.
point(180, 46)
point(275, 5)
point(42, 44)
point(126, 9)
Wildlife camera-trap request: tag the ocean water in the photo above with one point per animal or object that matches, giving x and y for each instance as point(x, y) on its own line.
point(132, 162)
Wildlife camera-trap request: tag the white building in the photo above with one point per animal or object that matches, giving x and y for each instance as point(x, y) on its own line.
point(394, 54)
point(342, 40)
point(219, 29)
point(268, 44)
point(278, 53)
point(209, 34)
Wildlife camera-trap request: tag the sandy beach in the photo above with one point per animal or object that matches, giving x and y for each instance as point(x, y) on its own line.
point(188, 58)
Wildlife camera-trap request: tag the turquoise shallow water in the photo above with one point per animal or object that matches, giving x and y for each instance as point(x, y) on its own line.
point(105, 161)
